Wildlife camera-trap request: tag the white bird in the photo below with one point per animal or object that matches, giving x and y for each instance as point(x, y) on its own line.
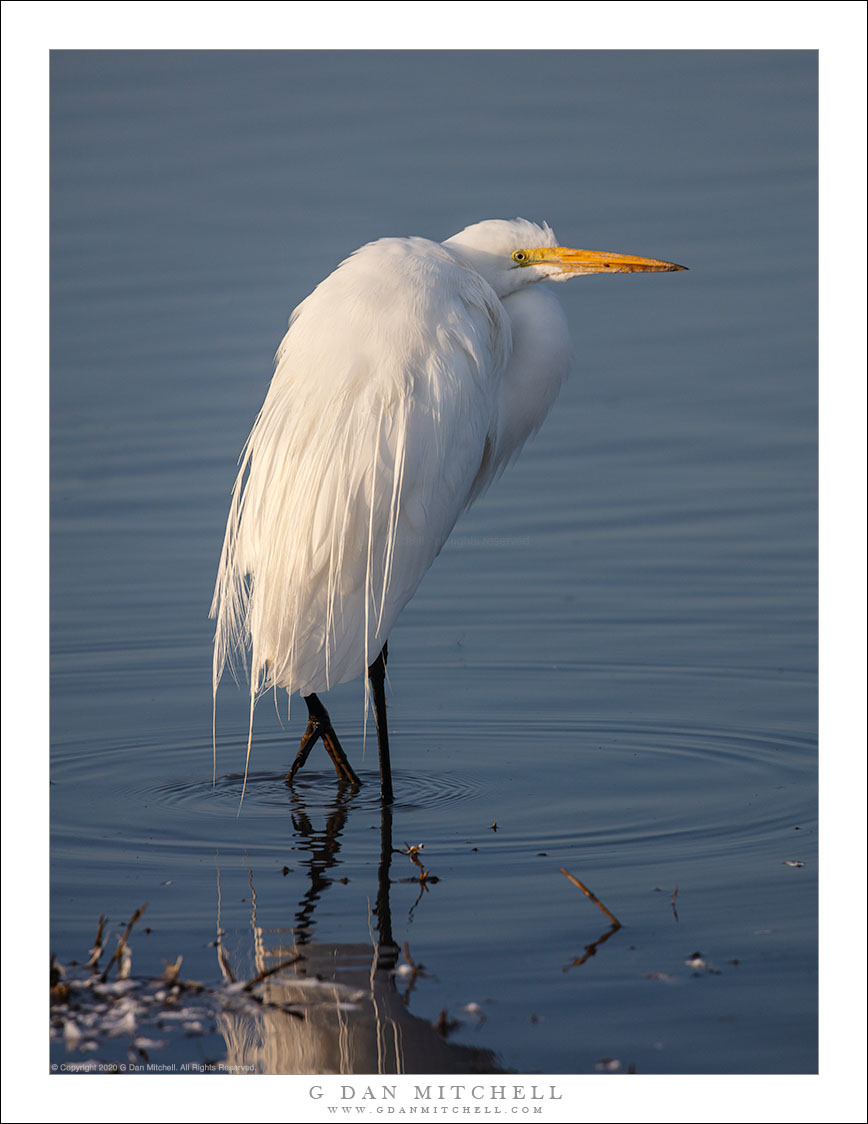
point(408, 380)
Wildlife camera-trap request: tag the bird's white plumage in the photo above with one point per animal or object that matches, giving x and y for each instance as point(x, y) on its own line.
point(407, 380)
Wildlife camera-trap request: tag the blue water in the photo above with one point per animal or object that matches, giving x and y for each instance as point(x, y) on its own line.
point(613, 659)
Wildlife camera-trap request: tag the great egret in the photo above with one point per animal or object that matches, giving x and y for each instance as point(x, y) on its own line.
point(408, 380)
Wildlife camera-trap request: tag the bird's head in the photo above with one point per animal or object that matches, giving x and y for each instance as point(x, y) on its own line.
point(510, 254)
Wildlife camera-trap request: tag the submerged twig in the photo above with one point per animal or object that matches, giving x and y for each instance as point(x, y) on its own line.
point(59, 988)
point(98, 946)
point(171, 971)
point(266, 972)
point(118, 953)
point(223, 961)
point(417, 971)
point(591, 949)
point(592, 896)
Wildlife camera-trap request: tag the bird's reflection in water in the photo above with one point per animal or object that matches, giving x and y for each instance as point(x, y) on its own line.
point(337, 1008)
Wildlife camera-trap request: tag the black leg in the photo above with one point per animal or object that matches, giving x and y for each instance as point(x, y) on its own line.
point(319, 725)
point(377, 676)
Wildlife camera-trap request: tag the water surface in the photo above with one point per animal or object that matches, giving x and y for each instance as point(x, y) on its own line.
point(613, 660)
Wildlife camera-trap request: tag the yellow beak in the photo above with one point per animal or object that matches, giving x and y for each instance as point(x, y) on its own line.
point(575, 262)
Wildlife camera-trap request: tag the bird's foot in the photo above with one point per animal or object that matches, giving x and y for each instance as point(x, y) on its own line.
point(319, 726)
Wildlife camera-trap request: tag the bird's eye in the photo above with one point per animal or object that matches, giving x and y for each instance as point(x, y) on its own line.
point(520, 256)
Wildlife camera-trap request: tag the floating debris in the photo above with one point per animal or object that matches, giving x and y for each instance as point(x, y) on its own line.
point(444, 1025)
point(124, 1019)
point(698, 963)
point(412, 852)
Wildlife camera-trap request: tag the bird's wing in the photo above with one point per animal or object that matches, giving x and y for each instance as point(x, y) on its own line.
point(362, 458)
